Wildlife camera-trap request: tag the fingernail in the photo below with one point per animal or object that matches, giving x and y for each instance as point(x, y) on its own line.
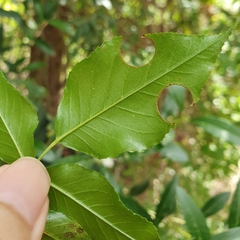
point(24, 185)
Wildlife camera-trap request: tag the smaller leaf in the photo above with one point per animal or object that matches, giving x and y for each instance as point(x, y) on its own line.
point(39, 10)
point(174, 152)
point(49, 9)
point(167, 204)
point(13, 67)
point(232, 234)
point(44, 47)
point(220, 128)
point(33, 66)
point(88, 198)
point(63, 26)
point(216, 203)
point(59, 226)
point(193, 216)
point(133, 205)
point(234, 216)
point(139, 188)
point(18, 120)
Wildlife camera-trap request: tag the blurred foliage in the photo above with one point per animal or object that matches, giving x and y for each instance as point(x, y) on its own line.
point(41, 40)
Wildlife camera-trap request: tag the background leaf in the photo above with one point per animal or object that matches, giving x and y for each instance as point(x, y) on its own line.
point(60, 227)
point(139, 188)
point(88, 198)
point(33, 66)
point(167, 204)
point(193, 216)
point(232, 234)
point(216, 203)
point(220, 128)
point(234, 216)
point(174, 152)
point(44, 47)
point(174, 101)
point(109, 107)
point(15, 111)
point(133, 205)
point(61, 25)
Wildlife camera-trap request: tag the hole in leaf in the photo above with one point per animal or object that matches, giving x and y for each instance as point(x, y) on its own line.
point(171, 102)
point(137, 51)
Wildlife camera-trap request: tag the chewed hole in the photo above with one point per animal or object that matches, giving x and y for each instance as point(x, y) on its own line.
point(138, 54)
point(171, 102)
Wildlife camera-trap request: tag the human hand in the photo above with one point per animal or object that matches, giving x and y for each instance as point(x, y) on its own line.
point(24, 187)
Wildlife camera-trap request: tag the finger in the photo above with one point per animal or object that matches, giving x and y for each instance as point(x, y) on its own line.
point(40, 223)
point(24, 187)
point(3, 168)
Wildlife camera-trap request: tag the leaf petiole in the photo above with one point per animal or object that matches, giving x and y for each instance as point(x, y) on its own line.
point(54, 143)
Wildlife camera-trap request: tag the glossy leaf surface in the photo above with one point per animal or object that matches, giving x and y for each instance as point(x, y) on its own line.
point(109, 107)
point(193, 216)
point(60, 227)
point(90, 200)
point(18, 121)
point(167, 204)
point(234, 216)
point(216, 203)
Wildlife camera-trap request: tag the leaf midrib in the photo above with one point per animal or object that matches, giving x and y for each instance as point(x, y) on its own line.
point(135, 91)
point(12, 137)
point(58, 139)
point(88, 209)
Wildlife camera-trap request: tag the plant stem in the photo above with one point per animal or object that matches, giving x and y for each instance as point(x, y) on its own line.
point(48, 148)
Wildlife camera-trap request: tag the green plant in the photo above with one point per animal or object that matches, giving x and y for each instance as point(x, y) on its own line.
point(108, 107)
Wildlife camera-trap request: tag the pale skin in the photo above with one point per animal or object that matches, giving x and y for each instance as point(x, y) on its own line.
point(24, 202)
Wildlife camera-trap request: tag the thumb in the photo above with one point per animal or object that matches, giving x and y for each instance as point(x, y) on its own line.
point(24, 187)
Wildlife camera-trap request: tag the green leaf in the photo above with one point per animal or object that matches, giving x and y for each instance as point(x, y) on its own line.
point(59, 226)
point(232, 234)
point(167, 204)
point(34, 66)
point(84, 160)
point(234, 216)
point(109, 107)
point(216, 203)
point(18, 120)
point(174, 152)
point(88, 198)
point(133, 205)
point(44, 47)
point(193, 216)
point(220, 128)
point(63, 26)
point(139, 188)
point(49, 9)
point(38, 6)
